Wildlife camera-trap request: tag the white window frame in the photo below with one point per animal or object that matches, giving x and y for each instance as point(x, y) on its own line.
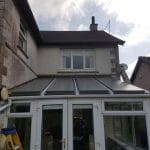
point(98, 125)
point(145, 112)
point(78, 52)
point(120, 112)
point(24, 115)
point(23, 36)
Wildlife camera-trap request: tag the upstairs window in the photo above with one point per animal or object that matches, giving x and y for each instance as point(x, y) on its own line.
point(78, 60)
point(89, 61)
point(22, 38)
point(66, 62)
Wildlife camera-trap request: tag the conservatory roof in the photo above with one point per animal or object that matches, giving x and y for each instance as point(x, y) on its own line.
point(79, 85)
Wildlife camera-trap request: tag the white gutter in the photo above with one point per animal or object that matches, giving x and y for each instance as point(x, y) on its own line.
point(80, 96)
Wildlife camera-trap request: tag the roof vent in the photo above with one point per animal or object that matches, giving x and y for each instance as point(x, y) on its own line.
point(93, 26)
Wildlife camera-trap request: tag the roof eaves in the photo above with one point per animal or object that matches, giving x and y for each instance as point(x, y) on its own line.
point(26, 12)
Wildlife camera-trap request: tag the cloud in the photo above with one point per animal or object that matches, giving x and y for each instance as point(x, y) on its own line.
point(73, 15)
point(130, 54)
point(82, 27)
point(131, 68)
point(134, 12)
point(56, 13)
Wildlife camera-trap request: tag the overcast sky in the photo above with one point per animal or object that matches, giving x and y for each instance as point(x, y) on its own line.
point(129, 20)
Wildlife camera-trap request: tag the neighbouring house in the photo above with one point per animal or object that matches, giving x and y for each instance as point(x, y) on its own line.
point(65, 87)
point(141, 73)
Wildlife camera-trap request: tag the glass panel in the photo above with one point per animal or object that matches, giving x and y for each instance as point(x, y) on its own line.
point(22, 30)
point(20, 108)
point(23, 127)
point(83, 134)
point(124, 106)
point(22, 41)
point(66, 61)
point(89, 62)
point(125, 133)
point(77, 62)
point(52, 128)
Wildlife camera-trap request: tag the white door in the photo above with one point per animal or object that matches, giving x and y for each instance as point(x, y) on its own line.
point(52, 125)
point(73, 125)
point(85, 126)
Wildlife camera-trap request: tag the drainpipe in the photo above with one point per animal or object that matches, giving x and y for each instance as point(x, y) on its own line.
point(4, 106)
point(122, 71)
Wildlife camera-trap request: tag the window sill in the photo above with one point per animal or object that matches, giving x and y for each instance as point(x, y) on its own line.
point(23, 51)
point(77, 71)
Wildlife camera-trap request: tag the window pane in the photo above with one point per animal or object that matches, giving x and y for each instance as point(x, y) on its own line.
point(23, 127)
point(20, 108)
point(124, 106)
point(125, 132)
point(77, 62)
point(22, 42)
point(83, 134)
point(52, 127)
point(22, 30)
point(66, 62)
point(89, 62)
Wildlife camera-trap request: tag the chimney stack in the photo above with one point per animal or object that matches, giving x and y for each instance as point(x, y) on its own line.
point(93, 26)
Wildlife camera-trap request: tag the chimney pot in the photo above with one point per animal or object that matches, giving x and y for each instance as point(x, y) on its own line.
point(93, 20)
point(93, 26)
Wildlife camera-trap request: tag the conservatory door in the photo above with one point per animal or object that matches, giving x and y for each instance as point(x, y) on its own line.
point(52, 121)
point(68, 126)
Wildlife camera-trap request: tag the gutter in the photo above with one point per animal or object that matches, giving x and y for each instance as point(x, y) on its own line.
point(19, 98)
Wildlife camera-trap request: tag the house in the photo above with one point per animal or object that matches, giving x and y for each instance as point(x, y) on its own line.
point(141, 73)
point(65, 87)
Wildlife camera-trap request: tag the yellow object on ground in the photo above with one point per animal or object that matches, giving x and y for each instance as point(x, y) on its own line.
point(12, 139)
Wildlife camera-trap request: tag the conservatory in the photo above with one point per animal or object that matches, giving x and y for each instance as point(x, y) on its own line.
point(80, 113)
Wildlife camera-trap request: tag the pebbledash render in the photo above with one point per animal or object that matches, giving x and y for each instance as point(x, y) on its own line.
point(65, 87)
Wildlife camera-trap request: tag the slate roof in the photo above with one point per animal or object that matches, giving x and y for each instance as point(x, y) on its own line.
point(141, 60)
point(79, 37)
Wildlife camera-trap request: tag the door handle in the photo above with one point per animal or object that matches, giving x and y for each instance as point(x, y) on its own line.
point(64, 143)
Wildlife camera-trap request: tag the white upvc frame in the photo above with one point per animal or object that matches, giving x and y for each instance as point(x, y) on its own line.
point(98, 125)
point(24, 115)
point(39, 118)
point(23, 37)
point(68, 122)
point(121, 113)
point(147, 116)
point(78, 52)
point(98, 115)
point(145, 112)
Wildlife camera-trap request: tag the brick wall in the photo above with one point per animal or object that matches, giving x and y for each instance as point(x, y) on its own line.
point(3, 70)
point(14, 69)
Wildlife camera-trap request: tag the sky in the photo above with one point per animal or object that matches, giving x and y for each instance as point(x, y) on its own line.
point(129, 20)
